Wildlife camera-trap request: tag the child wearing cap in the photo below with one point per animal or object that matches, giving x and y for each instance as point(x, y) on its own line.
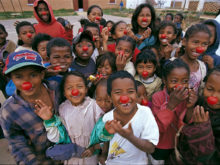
point(21, 126)
point(83, 47)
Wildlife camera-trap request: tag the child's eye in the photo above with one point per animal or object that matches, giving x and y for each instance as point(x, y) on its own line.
point(173, 81)
point(131, 91)
point(33, 74)
point(185, 81)
point(18, 77)
point(67, 56)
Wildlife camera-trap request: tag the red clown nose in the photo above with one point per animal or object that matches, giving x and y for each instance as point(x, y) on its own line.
point(144, 19)
point(178, 85)
point(75, 92)
point(29, 35)
point(98, 18)
point(44, 13)
point(163, 36)
point(109, 29)
point(200, 50)
point(144, 74)
point(121, 53)
point(125, 32)
point(85, 48)
point(98, 76)
point(144, 102)
point(124, 99)
point(56, 68)
point(93, 39)
point(26, 86)
point(212, 100)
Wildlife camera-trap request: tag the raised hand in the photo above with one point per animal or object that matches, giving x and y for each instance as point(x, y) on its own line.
point(120, 130)
point(42, 110)
point(120, 62)
point(192, 99)
point(146, 34)
point(209, 61)
point(199, 115)
point(178, 95)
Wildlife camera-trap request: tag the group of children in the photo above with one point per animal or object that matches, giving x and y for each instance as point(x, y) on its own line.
point(139, 94)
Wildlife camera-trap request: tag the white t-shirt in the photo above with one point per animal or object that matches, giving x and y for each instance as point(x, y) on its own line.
point(144, 126)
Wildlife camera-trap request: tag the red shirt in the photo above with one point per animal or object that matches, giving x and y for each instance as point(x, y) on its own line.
point(169, 121)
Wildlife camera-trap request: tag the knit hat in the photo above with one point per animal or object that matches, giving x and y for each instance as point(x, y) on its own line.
point(21, 59)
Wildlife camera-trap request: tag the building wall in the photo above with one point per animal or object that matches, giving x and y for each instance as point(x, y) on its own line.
point(211, 7)
point(193, 5)
point(104, 4)
point(177, 5)
point(56, 5)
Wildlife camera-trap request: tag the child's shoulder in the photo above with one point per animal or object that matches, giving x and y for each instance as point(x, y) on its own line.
point(159, 95)
point(108, 116)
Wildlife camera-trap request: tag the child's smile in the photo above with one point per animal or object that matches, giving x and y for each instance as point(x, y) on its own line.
point(124, 88)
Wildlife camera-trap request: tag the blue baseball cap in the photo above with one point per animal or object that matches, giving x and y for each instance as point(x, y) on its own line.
point(17, 60)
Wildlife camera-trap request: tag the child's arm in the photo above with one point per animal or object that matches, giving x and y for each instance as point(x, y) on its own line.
point(105, 38)
point(103, 157)
point(56, 132)
point(142, 144)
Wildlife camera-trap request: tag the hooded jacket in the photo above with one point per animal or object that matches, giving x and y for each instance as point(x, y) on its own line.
point(212, 49)
point(53, 28)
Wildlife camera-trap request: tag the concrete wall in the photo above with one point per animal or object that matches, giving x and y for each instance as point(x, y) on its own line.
point(104, 4)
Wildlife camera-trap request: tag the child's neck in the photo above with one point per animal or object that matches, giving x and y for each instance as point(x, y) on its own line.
point(124, 118)
point(82, 62)
point(26, 45)
point(188, 60)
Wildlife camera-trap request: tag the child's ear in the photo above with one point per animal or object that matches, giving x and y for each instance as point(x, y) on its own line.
point(164, 81)
point(114, 36)
point(42, 74)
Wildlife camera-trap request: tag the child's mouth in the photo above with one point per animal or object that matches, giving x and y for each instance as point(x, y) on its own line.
point(125, 105)
point(195, 54)
point(164, 40)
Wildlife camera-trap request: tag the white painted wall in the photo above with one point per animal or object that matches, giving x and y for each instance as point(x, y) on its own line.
point(132, 4)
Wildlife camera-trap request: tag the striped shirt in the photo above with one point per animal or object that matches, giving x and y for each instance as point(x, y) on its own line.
point(25, 130)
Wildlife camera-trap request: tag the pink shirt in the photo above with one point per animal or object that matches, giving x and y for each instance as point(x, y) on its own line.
point(168, 121)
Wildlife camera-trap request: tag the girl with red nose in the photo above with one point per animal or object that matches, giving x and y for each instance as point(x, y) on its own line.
point(26, 32)
point(195, 43)
point(79, 114)
point(202, 126)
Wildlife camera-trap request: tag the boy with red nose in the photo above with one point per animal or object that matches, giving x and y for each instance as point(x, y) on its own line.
point(47, 23)
point(134, 127)
point(22, 127)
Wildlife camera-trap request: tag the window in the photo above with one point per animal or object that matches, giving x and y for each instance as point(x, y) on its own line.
point(112, 1)
point(31, 2)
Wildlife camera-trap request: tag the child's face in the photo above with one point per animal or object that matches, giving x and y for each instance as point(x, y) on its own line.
point(42, 49)
point(213, 32)
point(3, 36)
point(199, 39)
point(72, 83)
point(149, 67)
point(94, 31)
point(27, 74)
point(102, 98)
point(168, 18)
point(109, 25)
point(41, 9)
point(96, 12)
point(177, 19)
point(61, 56)
point(23, 35)
point(212, 88)
point(124, 46)
point(124, 87)
point(119, 30)
point(178, 76)
point(145, 13)
point(105, 69)
point(82, 54)
point(141, 94)
point(170, 36)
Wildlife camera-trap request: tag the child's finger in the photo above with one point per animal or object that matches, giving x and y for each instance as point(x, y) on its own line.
point(41, 103)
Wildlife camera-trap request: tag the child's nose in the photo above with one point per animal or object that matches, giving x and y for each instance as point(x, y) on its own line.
point(29, 35)
point(85, 48)
point(26, 86)
point(144, 74)
point(124, 99)
point(75, 92)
